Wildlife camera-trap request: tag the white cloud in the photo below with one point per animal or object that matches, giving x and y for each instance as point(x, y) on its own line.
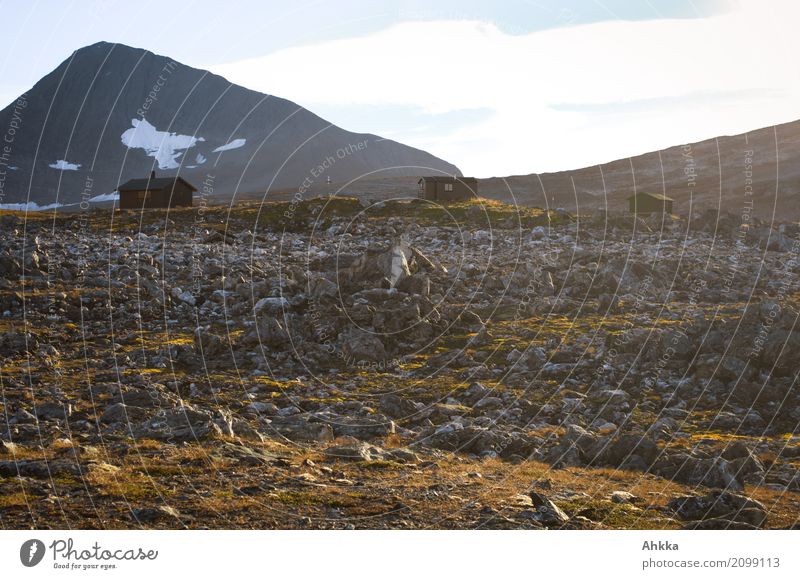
point(63, 165)
point(561, 98)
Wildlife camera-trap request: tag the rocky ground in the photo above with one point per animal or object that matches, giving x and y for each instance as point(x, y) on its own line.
point(339, 364)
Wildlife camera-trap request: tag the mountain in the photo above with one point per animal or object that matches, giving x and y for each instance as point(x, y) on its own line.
point(110, 113)
point(755, 173)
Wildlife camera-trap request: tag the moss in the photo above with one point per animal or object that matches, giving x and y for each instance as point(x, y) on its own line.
point(618, 516)
point(128, 486)
point(14, 500)
point(166, 470)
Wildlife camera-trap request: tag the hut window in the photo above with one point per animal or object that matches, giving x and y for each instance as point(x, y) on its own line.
point(448, 186)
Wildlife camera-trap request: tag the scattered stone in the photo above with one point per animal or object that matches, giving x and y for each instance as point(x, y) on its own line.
point(624, 497)
point(546, 511)
point(145, 515)
point(8, 447)
point(720, 509)
point(178, 425)
point(360, 347)
point(53, 411)
point(265, 408)
point(354, 451)
point(38, 468)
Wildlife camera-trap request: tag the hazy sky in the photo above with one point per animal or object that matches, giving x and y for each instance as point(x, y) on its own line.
point(497, 88)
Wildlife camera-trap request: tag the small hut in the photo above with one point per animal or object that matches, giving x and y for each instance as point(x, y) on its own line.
point(156, 192)
point(646, 203)
point(448, 188)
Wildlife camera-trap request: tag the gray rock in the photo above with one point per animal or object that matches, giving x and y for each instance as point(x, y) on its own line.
point(53, 411)
point(242, 429)
point(265, 408)
point(360, 451)
point(300, 429)
point(547, 512)
point(144, 515)
point(713, 472)
point(268, 332)
point(38, 468)
point(273, 306)
point(363, 427)
point(122, 413)
point(320, 287)
point(397, 407)
point(359, 347)
point(22, 416)
point(178, 425)
point(402, 455)
point(635, 450)
point(8, 447)
point(245, 455)
point(623, 497)
point(721, 507)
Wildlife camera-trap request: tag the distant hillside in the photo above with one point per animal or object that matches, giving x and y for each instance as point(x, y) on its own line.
point(734, 174)
point(726, 173)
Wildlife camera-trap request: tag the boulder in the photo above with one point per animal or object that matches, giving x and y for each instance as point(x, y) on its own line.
point(53, 411)
point(715, 472)
point(359, 346)
point(122, 413)
point(357, 451)
point(183, 424)
point(720, 509)
point(300, 429)
point(396, 407)
point(546, 511)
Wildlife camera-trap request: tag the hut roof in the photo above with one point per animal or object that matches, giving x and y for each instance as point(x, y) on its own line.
point(447, 179)
point(150, 184)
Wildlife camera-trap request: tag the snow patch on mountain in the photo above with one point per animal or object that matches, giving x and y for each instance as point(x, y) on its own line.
point(63, 165)
point(163, 146)
point(30, 206)
point(104, 197)
point(234, 144)
point(33, 206)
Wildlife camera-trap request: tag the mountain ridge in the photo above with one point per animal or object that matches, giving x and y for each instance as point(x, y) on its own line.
point(756, 171)
point(112, 112)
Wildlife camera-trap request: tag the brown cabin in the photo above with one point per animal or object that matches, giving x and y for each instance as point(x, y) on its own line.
point(646, 203)
point(448, 188)
point(156, 192)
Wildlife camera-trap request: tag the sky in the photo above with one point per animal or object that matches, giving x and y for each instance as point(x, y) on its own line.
point(498, 88)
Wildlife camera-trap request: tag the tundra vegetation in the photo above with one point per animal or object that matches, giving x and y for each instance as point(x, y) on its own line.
point(336, 363)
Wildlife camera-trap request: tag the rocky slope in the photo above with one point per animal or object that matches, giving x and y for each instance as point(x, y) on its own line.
point(330, 364)
point(111, 112)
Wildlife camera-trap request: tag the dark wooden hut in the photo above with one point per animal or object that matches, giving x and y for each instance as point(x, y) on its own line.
point(156, 192)
point(448, 188)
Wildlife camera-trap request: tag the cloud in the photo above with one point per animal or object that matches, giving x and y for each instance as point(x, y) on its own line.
point(560, 98)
